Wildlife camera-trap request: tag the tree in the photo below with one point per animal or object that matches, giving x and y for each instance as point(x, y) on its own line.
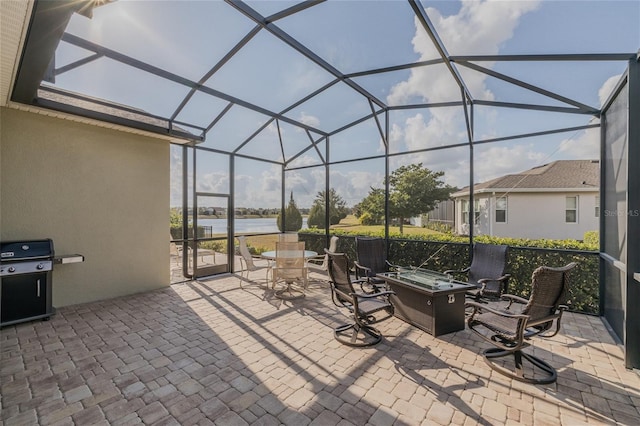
point(413, 190)
point(372, 208)
point(337, 209)
point(293, 218)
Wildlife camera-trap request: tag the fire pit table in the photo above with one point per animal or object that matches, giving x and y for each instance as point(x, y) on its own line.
point(429, 300)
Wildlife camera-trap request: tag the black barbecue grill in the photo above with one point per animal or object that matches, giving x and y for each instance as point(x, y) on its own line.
point(25, 274)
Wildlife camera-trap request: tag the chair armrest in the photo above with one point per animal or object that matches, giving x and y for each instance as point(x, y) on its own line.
point(513, 298)
point(493, 291)
point(359, 281)
point(374, 287)
point(506, 335)
point(502, 278)
point(454, 271)
point(484, 308)
point(391, 266)
point(367, 271)
point(372, 295)
point(318, 260)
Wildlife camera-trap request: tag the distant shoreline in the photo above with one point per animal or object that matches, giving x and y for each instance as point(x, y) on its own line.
point(246, 216)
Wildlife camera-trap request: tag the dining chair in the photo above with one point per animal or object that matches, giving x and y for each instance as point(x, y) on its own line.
point(290, 267)
point(321, 261)
point(288, 237)
point(248, 261)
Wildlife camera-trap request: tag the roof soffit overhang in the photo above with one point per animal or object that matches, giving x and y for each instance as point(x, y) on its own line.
point(507, 191)
point(14, 18)
point(46, 25)
point(48, 22)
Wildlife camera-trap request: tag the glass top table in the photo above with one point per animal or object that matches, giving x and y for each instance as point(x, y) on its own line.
point(425, 279)
point(271, 254)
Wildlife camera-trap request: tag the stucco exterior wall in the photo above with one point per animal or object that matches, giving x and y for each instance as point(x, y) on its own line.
point(99, 192)
point(535, 216)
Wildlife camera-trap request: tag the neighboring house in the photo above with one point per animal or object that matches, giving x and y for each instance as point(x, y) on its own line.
point(559, 200)
point(442, 216)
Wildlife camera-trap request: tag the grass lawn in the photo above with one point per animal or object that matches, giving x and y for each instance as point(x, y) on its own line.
point(349, 224)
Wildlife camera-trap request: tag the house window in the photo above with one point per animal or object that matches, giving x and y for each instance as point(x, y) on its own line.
point(597, 206)
point(501, 210)
point(465, 211)
point(571, 210)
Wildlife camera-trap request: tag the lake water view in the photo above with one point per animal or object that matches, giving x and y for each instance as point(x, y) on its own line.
point(262, 224)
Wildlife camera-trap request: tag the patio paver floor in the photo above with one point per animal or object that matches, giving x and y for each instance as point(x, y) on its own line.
point(208, 352)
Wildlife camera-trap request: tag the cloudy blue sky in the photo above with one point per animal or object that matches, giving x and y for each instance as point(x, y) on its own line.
point(189, 37)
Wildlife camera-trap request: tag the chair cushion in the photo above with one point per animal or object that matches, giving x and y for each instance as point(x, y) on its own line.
point(503, 326)
point(369, 306)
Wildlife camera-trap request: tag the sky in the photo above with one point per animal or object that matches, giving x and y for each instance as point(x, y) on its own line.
point(189, 37)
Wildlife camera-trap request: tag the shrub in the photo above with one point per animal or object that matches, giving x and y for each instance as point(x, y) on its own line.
point(367, 219)
point(592, 238)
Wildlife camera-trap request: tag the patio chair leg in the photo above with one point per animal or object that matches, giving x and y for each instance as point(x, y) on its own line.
point(548, 373)
point(289, 293)
point(350, 335)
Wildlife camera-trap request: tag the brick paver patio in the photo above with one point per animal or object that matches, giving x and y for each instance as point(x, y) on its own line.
point(209, 352)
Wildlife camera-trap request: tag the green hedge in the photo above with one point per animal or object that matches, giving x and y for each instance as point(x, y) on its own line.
point(176, 232)
point(442, 252)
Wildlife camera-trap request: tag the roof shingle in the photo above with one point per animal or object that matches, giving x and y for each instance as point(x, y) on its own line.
point(566, 174)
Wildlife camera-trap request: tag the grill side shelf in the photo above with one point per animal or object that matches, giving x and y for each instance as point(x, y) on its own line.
point(68, 258)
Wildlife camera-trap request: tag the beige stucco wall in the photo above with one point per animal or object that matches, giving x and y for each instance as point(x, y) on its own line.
point(99, 192)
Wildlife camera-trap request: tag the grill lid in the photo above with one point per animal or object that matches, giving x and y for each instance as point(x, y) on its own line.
point(23, 250)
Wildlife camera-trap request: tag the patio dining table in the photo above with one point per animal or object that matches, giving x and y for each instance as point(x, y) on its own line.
point(271, 255)
point(288, 292)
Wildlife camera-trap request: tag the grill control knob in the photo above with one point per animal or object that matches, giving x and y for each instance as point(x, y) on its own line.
point(11, 269)
point(40, 266)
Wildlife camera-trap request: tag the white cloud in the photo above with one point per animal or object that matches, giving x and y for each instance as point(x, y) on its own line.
point(444, 127)
point(607, 88)
point(585, 146)
point(479, 27)
point(354, 185)
point(496, 161)
point(259, 190)
point(309, 120)
point(215, 182)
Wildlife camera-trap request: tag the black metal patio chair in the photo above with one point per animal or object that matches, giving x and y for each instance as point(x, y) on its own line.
point(372, 260)
point(363, 306)
point(509, 328)
point(487, 271)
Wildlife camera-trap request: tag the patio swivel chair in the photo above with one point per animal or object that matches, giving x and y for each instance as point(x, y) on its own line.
point(365, 308)
point(509, 329)
point(486, 272)
point(372, 259)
